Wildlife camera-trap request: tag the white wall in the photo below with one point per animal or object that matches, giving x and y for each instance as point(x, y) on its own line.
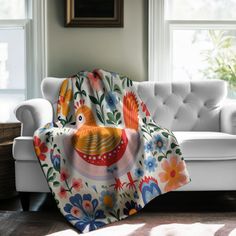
point(123, 50)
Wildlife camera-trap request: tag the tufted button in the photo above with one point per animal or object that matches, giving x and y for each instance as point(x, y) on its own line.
point(164, 103)
point(198, 116)
point(175, 117)
point(184, 101)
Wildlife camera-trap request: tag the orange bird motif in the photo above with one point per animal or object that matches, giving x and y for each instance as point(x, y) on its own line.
point(105, 152)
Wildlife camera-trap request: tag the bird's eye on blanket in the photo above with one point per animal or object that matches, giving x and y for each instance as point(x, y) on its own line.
point(80, 120)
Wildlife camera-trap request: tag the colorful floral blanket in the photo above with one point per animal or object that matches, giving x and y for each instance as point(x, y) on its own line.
point(105, 158)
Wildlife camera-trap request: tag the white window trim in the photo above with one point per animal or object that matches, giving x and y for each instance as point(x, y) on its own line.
point(36, 54)
point(160, 38)
point(156, 40)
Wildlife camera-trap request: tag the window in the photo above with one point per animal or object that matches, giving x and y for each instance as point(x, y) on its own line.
point(20, 25)
point(12, 9)
point(191, 40)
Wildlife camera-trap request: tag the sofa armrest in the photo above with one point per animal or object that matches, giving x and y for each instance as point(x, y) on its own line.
point(33, 114)
point(228, 117)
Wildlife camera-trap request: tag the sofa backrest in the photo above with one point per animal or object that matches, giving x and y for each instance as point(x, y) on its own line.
point(179, 106)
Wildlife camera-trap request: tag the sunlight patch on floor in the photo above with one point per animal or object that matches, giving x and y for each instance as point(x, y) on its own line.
point(119, 230)
point(232, 233)
point(195, 229)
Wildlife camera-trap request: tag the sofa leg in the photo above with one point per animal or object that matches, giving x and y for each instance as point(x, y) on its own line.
point(25, 200)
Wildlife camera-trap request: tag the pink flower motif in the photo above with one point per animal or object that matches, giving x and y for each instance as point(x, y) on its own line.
point(87, 205)
point(62, 193)
point(95, 81)
point(64, 175)
point(40, 148)
point(77, 184)
point(173, 173)
point(75, 211)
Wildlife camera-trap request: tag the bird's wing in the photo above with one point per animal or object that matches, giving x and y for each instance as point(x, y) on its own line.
point(130, 111)
point(97, 140)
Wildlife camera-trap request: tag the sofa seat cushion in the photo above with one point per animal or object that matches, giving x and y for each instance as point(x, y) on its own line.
point(207, 145)
point(23, 149)
point(194, 146)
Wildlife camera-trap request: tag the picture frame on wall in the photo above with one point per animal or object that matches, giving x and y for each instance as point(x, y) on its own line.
point(94, 13)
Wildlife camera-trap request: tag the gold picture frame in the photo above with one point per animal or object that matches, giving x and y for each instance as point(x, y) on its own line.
point(94, 13)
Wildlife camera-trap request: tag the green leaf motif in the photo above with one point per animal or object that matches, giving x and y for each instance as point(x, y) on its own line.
point(94, 100)
point(76, 94)
point(99, 116)
point(173, 145)
point(109, 82)
point(84, 93)
point(117, 89)
point(51, 178)
point(111, 116)
point(44, 165)
point(110, 122)
point(112, 214)
point(49, 172)
point(77, 85)
point(102, 98)
point(160, 158)
point(168, 152)
point(118, 213)
point(178, 151)
point(56, 184)
point(165, 134)
point(118, 116)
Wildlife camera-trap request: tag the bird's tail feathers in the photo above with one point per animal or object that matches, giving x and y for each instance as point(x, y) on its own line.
point(130, 111)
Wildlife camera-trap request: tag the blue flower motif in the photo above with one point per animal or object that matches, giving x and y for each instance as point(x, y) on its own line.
point(149, 189)
point(150, 163)
point(56, 160)
point(46, 127)
point(131, 208)
point(148, 146)
point(111, 100)
point(136, 195)
point(159, 143)
point(112, 169)
point(138, 172)
point(83, 213)
point(114, 74)
point(108, 199)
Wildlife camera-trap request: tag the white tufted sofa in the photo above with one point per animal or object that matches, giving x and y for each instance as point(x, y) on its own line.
point(203, 121)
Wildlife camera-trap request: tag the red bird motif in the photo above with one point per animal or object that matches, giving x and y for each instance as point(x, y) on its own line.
point(105, 152)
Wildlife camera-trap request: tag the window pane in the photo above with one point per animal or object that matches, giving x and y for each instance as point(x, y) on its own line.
point(205, 54)
point(12, 59)
point(12, 9)
point(200, 9)
point(8, 102)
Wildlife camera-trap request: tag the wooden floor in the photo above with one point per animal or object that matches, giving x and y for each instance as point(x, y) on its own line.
point(176, 207)
point(173, 201)
point(142, 224)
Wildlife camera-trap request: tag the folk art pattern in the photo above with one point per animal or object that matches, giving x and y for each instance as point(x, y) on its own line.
point(105, 158)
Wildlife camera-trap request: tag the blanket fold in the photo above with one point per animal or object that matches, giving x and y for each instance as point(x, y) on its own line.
point(105, 158)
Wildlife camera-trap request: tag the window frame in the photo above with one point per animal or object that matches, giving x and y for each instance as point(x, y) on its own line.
point(34, 26)
point(160, 41)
